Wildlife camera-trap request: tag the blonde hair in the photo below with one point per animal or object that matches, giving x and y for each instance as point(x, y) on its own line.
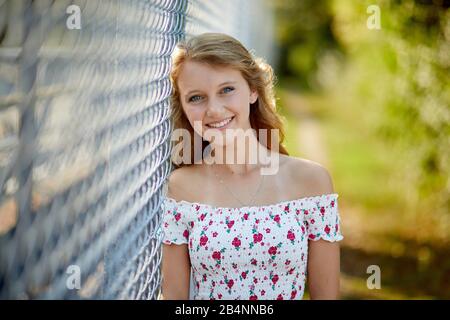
point(219, 49)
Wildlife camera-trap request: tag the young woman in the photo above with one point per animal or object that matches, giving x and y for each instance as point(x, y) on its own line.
point(246, 234)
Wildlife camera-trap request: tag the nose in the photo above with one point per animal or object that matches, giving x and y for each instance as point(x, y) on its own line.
point(215, 108)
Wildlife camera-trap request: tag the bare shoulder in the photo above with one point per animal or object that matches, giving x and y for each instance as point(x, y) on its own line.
point(181, 183)
point(310, 177)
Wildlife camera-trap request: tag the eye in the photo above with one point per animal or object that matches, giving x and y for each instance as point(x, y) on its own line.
point(231, 89)
point(194, 98)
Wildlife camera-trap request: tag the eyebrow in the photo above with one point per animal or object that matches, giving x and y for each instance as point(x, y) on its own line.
point(223, 83)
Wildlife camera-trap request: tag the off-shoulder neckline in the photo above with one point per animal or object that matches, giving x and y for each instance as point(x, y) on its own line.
point(205, 205)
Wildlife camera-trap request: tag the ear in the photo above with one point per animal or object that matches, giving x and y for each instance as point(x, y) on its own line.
point(253, 96)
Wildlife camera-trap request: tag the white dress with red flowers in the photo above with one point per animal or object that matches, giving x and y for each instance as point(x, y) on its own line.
point(250, 253)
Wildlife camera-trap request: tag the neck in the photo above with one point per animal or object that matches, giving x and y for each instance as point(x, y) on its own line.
point(240, 157)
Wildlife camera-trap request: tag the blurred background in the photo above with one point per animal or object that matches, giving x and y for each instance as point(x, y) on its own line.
point(363, 87)
point(373, 106)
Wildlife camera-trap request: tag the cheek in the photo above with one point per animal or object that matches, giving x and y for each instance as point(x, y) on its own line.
point(194, 113)
point(240, 105)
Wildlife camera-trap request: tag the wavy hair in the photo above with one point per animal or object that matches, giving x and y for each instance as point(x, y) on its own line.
point(219, 49)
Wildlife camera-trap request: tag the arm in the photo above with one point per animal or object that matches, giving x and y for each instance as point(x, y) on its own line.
point(176, 264)
point(176, 268)
point(323, 255)
point(323, 269)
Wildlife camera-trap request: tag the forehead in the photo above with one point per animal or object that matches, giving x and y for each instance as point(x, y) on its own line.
point(199, 75)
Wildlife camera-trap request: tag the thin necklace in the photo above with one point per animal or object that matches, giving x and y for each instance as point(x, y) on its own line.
point(234, 196)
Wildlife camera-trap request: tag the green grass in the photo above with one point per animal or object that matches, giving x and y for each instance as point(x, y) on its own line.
point(363, 167)
point(360, 167)
point(366, 172)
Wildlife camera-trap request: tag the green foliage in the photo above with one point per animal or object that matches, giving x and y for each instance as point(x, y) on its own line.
point(395, 81)
point(303, 35)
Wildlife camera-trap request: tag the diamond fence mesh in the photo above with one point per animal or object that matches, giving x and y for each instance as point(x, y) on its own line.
point(85, 138)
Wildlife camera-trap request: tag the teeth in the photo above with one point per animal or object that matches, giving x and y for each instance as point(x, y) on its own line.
point(220, 124)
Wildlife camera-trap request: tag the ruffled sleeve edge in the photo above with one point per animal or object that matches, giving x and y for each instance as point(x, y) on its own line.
point(172, 234)
point(333, 235)
point(175, 241)
point(329, 238)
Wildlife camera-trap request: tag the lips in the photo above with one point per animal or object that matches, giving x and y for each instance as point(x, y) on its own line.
point(220, 124)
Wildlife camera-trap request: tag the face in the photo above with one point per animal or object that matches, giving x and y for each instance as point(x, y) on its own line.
point(218, 98)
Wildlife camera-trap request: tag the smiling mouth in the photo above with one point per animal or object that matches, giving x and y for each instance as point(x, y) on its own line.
point(221, 124)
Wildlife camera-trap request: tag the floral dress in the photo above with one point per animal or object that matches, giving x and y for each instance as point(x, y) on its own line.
point(250, 253)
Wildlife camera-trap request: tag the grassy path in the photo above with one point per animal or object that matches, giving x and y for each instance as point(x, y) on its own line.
point(372, 235)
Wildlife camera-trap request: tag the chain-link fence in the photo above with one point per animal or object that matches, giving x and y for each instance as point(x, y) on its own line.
point(85, 138)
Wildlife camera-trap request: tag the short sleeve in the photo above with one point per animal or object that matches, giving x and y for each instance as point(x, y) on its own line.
point(322, 218)
point(174, 226)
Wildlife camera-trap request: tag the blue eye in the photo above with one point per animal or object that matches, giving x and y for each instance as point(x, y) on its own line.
point(228, 88)
point(197, 98)
point(194, 98)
